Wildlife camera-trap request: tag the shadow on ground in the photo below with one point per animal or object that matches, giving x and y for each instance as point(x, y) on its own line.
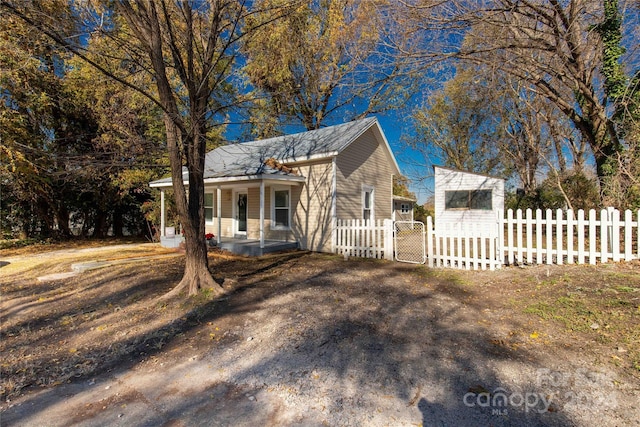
point(298, 339)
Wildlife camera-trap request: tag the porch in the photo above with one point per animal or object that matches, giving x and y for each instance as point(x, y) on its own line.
point(249, 216)
point(253, 247)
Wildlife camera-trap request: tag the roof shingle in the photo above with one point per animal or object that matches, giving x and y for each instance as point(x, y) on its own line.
point(248, 158)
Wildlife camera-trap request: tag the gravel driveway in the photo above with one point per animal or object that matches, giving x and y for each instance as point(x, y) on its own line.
point(315, 341)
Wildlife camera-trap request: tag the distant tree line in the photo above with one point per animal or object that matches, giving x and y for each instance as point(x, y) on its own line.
point(77, 150)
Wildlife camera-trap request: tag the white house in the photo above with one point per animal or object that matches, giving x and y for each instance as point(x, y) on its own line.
point(467, 198)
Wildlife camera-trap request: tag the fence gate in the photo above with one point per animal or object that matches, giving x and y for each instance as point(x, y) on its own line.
point(409, 242)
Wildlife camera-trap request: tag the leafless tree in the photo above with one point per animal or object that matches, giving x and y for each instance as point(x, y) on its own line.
point(548, 44)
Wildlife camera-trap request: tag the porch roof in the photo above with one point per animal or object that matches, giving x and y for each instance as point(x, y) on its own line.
point(231, 179)
point(248, 160)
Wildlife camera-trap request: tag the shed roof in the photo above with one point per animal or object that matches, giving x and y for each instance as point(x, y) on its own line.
point(247, 160)
point(467, 172)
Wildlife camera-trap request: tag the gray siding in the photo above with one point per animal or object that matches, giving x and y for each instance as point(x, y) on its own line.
point(399, 215)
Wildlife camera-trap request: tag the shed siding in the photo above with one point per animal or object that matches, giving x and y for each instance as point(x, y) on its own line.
point(363, 163)
point(450, 180)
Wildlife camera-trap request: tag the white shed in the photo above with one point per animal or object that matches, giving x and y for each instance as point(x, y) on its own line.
point(467, 198)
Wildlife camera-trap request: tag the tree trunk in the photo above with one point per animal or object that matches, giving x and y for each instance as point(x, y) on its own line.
point(100, 224)
point(46, 219)
point(196, 270)
point(196, 273)
point(606, 147)
point(118, 223)
point(185, 141)
point(62, 214)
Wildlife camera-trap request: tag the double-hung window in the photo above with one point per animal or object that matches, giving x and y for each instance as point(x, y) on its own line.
point(208, 208)
point(367, 202)
point(281, 211)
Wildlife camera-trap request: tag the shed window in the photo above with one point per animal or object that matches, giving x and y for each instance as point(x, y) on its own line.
point(405, 207)
point(468, 199)
point(281, 208)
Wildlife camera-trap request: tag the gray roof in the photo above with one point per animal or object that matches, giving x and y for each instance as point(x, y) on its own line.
point(404, 198)
point(247, 159)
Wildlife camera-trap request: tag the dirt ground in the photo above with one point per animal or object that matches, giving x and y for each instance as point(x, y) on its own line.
point(311, 339)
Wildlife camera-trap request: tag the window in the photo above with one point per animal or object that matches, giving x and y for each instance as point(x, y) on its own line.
point(281, 208)
point(468, 199)
point(480, 199)
point(208, 208)
point(405, 207)
point(367, 203)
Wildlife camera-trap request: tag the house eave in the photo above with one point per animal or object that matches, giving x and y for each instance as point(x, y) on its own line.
point(161, 184)
point(467, 172)
point(233, 179)
point(403, 198)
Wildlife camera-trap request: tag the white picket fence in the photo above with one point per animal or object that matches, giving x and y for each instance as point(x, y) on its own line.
point(364, 238)
point(548, 237)
point(463, 246)
point(531, 237)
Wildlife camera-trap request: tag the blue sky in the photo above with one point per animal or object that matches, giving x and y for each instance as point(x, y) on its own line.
point(395, 129)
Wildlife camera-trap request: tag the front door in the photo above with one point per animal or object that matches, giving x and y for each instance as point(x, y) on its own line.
point(241, 213)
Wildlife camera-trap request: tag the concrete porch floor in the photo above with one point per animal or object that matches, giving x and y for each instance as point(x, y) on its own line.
point(251, 247)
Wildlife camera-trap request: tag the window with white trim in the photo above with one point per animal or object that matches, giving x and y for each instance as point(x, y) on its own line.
point(405, 208)
point(208, 208)
point(367, 202)
point(281, 208)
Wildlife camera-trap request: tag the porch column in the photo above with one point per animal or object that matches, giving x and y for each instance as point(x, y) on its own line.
point(262, 214)
point(219, 211)
point(162, 220)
